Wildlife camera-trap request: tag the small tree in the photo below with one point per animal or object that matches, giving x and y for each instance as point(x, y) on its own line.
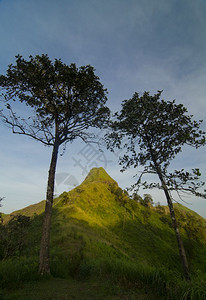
point(158, 130)
point(1, 220)
point(147, 201)
point(65, 102)
point(137, 198)
point(13, 236)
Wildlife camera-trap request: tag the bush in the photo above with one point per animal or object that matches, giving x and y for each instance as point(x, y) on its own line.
point(13, 236)
point(13, 272)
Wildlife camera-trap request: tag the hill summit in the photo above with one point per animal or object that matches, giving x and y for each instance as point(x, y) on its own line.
point(98, 174)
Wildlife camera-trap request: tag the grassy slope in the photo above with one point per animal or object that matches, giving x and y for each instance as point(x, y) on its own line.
point(94, 211)
point(65, 289)
point(96, 229)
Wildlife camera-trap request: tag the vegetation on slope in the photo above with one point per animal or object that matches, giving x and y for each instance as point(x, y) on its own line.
point(98, 232)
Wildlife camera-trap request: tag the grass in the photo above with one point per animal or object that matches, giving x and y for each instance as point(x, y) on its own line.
point(105, 245)
point(64, 289)
point(97, 279)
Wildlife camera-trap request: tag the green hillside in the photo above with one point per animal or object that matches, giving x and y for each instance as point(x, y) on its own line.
point(101, 236)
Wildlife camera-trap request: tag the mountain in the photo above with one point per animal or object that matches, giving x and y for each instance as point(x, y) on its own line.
point(98, 175)
point(97, 229)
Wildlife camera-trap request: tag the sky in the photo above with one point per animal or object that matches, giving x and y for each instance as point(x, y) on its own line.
point(135, 46)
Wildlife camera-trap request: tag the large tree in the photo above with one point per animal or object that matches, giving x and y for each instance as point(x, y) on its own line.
point(65, 101)
point(153, 132)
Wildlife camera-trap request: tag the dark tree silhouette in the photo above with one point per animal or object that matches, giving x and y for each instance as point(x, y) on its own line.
point(65, 102)
point(156, 131)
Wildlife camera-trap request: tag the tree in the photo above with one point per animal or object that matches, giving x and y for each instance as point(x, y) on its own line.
point(13, 236)
point(65, 102)
point(147, 201)
point(156, 131)
point(1, 220)
point(137, 197)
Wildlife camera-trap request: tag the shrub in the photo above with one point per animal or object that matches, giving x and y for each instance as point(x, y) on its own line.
point(13, 272)
point(13, 236)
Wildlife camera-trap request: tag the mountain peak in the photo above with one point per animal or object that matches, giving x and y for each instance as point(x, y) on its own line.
point(98, 174)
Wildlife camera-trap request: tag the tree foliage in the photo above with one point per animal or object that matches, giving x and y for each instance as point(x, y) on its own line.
point(156, 131)
point(66, 102)
point(148, 201)
point(13, 236)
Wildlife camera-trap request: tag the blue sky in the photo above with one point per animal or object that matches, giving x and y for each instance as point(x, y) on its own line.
point(134, 45)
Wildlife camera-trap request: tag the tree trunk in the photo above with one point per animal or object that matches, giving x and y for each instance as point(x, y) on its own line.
point(182, 253)
point(44, 267)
